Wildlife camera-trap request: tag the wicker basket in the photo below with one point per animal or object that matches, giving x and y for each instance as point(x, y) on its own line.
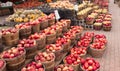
point(76, 67)
point(15, 60)
point(48, 63)
point(24, 33)
point(16, 66)
point(96, 52)
point(9, 37)
point(78, 35)
point(66, 46)
point(65, 28)
point(90, 22)
point(51, 38)
point(11, 43)
point(50, 68)
point(31, 51)
point(81, 69)
point(107, 28)
point(44, 24)
point(41, 43)
point(4, 66)
point(97, 27)
point(58, 32)
point(51, 21)
point(36, 28)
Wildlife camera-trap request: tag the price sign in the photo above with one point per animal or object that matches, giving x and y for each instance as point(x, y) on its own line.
point(57, 16)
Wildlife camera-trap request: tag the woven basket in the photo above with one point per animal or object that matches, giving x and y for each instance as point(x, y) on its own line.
point(78, 35)
point(51, 21)
point(11, 43)
point(15, 60)
point(64, 29)
point(66, 47)
point(4, 66)
point(73, 40)
point(51, 38)
point(96, 52)
point(24, 33)
point(9, 37)
point(90, 22)
point(31, 51)
point(58, 33)
point(107, 28)
point(81, 69)
point(35, 28)
point(41, 43)
point(50, 68)
point(16, 66)
point(48, 63)
point(97, 27)
point(76, 67)
point(44, 24)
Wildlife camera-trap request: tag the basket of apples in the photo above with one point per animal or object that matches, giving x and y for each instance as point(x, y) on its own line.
point(107, 25)
point(51, 19)
point(2, 65)
point(24, 29)
point(30, 47)
point(64, 26)
point(10, 36)
point(65, 42)
point(97, 49)
point(14, 57)
point(46, 58)
point(35, 26)
point(56, 49)
point(50, 35)
point(108, 17)
point(73, 60)
point(64, 67)
point(33, 66)
point(66, 21)
point(40, 39)
point(81, 51)
point(90, 20)
point(58, 29)
point(77, 31)
point(70, 36)
point(90, 64)
point(43, 22)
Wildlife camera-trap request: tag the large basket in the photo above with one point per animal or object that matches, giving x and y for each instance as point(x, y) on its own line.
point(76, 67)
point(11, 43)
point(36, 28)
point(31, 51)
point(97, 52)
point(107, 28)
point(4, 66)
point(51, 38)
point(50, 68)
point(9, 37)
point(65, 28)
point(97, 27)
point(81, 69)
point(66, 47)
point(24, 33)
point(51, 21)
point(41, 43)
point(44, 24)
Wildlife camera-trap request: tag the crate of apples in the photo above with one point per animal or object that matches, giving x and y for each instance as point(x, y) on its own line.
point(64, 67)
point(33, 66)
point(90, 64)
point(40, 39)
point(45, 58)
